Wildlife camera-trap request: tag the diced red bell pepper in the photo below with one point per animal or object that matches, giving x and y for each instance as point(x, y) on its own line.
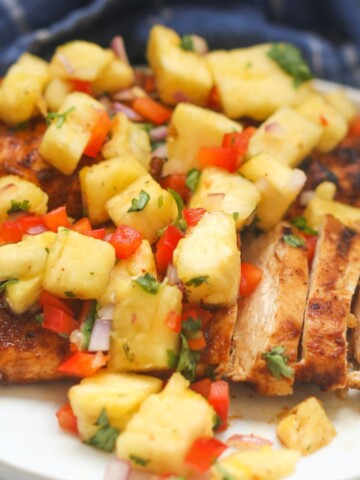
point(56, 218)
point(213, 101)
point(251, 276)
point(219, 398)
point(83, 364)
point(67, 419)
point(165, 247)
point(240, 141)
point(173, 321)
point(177, 182)
point(196, 312)
point(99, 233)
point(198, 342)
point(311, 241)
point(98, 135)
point(29, 222)
point(202, 387)
point(126, 240)
point(80, 86)
point(203, 452)
point(193, 215)
point(11, 231)
point(151, 110)
point(222, 157)
point(354, 128)
point(57, 320)
point(81, 225)
point(47, 298)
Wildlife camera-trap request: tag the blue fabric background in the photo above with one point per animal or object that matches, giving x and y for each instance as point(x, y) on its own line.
point(328, 31)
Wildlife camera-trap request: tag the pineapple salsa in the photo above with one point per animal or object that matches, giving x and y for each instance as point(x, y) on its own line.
point(139, 282)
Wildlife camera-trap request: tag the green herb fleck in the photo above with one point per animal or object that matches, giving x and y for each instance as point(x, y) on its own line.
point(192, 179)
point(6, 283)
point(88, 324)
point(216, 421)
point(19, 206)
point(148, 282)
point(138, 204)
point(210, 372)
point(106, 436)
point(128, 354)
point(197, 281)
point(187, 43)
point(160, 201)
point(179, 203)
point(235, 215)
point(47, 250)
point(39, 318)
point(139, 460)
point(277, 363)
point(187, 360)
point(294, 241)
point(70, 294)
point(172, 359)
point(302, 224)
point(290, 59)
point(191, 325)
point(59, 117)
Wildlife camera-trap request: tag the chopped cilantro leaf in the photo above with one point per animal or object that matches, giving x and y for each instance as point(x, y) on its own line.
point(172, 359)
point(191, 325)
point(187, 360)
point(139, 460)
point(6, 283)
point(192, 179)
point(179, 203)
point(138, 204)
point(105, 437)
point(302, 224)
point(187, 43)
point(59, 117)
point(19, 206)
point(197, 281)
point(290, 59)
point(128, 354)
point(88, 324)
point(39, 318)
point(148, 282)
point(294, 241)
point(276, 361)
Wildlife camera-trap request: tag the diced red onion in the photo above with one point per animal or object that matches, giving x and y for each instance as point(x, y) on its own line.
point(129, 112)
point(117, 469)
point(274, 128)
point(247, 442)
point(172, 274)
point(305, 197)
point(159, 133)
point(179, 97)
point(200, 44)
point(160, 151)
point(106, 312)
point(100, 336)
point(296, 181)
point(129, 94)
point(118, 46)
point(36, 230)
point(67, 65)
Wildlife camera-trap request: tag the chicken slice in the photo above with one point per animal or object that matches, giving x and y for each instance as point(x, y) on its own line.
point(272, 315)
point(333, 280)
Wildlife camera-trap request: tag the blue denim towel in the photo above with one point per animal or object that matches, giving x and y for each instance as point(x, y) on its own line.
point(328, 31)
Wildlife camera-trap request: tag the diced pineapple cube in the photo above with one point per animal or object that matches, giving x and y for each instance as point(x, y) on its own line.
point(165, 427)
point(287, 136)
point(64, 142)
point(190, 129)
point(341, 102)
point(178, 72)
point(17, 194)
point(140, 337)
point(207, 260)
point(306, 427)
point(78, 266)
point(103, 180)
point(251, 84)
point(264, 464)
point(21, 89)
point(120, 394)
point(80, 60)
point(56, 92)
point(221, 191)
point(125, 271)
point(116, 76)
point(334, 126)
point(278, 184)
point(159, 212)
point(127, 138)
point(22, 295)
point(318, 207)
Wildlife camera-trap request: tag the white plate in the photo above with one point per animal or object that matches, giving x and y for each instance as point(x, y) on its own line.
point(32, 447)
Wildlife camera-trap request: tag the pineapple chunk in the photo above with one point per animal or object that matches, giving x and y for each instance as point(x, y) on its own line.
point(125, 271)
point(221, 191)
point(319, 206)
point(21, 89)
point(120, 394)
point(56, 92)
point(128, 138)
point(264, 464)
point(116, 76)
point(306, 427)
point(80, 60)
point(22, 295)
point(340, 101)
point(165, 427)
point(208, 260)
point(78, 266)
point(177, 72)
point(103, 180)
point(251, 84)
point(158, 213)
point(333, 124)
point(278, 184)
point(190, 129)
point(287, 136)
point(18, 194)
point(140, 338)
point(63, 144)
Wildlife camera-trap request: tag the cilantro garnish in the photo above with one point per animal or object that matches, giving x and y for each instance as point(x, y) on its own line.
point(128, 354)
point(192, 179)
point(59, 117)
point(187, 43)
point(172, 359)
point(191, 325)
point(277, 363)
point(19, 206)
point(138, 204)
point(139, 460)
point(294, 241)
point(106, 436)
point(180, 206)
point(197, 281)
point(290, 59)
point(88, 324)
point(6, 283)
point(148, 282)
point(187, 360)
point(302, 224)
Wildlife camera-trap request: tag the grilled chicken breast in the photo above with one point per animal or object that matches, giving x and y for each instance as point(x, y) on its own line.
point(272, 316)
point(334, 276)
